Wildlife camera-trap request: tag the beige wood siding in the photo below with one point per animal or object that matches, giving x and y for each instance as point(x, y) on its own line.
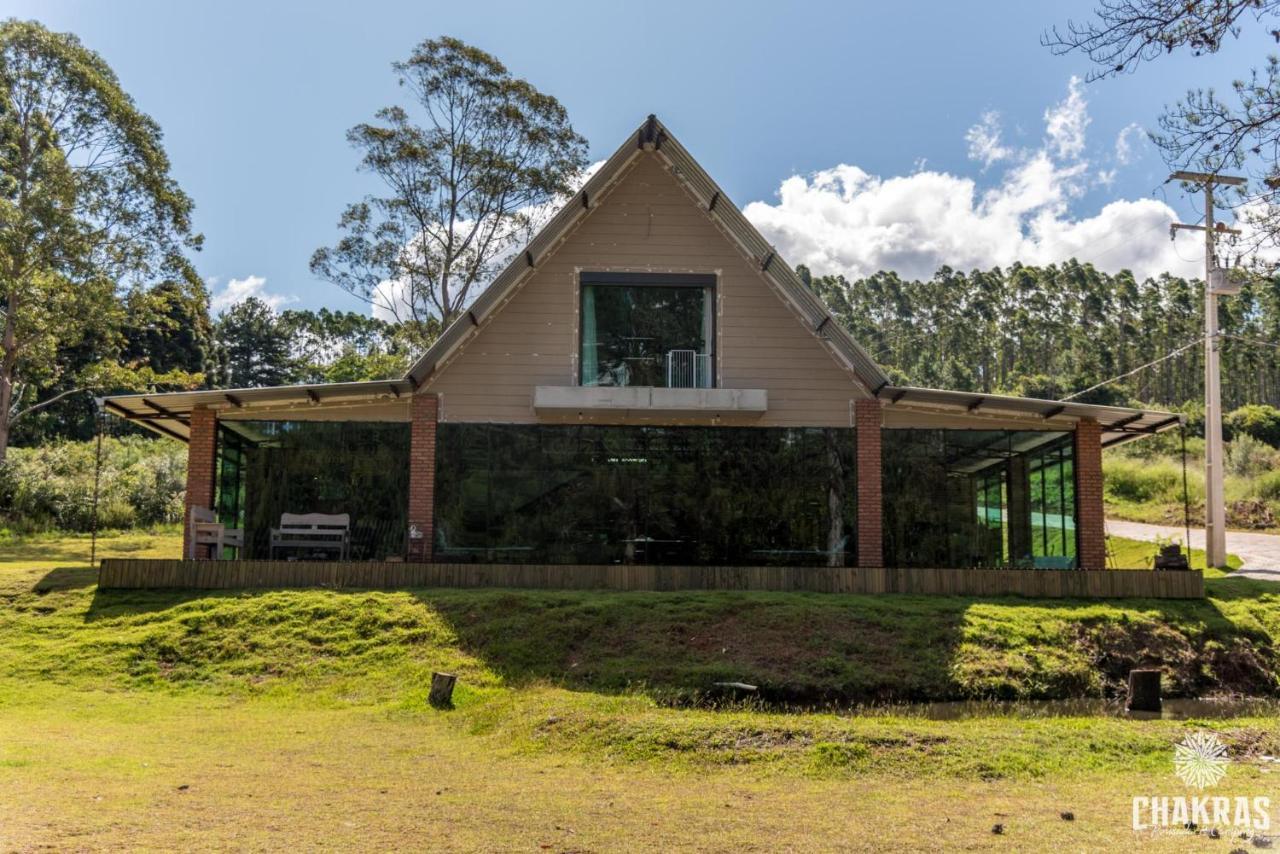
point(647, 223)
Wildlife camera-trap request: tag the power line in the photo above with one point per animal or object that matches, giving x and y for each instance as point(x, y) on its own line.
point(1128, 374)
point(1129, 239)
point(1254, 341)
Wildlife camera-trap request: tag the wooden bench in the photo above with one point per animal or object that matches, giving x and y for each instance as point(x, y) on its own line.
point(322, 532)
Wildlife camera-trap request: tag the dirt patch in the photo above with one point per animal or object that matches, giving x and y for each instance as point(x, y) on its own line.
point(1193, 667)
point(1251, 513)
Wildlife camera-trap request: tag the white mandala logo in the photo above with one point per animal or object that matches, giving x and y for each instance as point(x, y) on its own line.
point(1200, 760)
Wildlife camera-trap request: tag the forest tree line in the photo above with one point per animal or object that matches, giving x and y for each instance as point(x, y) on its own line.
point(1055, 330)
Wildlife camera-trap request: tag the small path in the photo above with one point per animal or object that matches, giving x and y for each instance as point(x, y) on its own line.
point(1260, 553)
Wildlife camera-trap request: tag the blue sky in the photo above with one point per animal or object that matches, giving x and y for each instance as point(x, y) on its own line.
point(857, 135)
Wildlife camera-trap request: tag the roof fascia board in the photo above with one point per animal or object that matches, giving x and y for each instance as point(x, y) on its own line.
point(248, 398)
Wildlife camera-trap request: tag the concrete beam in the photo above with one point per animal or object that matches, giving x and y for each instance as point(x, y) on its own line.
point(650, 400)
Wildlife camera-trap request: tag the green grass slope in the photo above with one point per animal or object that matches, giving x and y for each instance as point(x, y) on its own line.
point(811, 649)
point(583, 721)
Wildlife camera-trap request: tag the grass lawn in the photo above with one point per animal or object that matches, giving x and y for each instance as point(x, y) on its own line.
point(1140, 554)
point(176, 720)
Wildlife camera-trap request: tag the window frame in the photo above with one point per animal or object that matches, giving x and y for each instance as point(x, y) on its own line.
point(708, 282)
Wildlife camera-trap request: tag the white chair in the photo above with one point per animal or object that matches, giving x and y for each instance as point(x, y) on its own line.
point(205, 530)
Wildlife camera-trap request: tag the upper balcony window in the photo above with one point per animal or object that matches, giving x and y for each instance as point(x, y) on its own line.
point(648, 329)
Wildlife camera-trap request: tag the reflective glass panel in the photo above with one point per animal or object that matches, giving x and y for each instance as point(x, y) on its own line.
point(595, 494)
point(267, 468)
point(957, 498)
point(647, 335)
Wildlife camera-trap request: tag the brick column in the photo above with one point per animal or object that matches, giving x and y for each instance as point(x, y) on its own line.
point(425, 410)
point(1090, 521)
point(201, 468)
point(866, 420)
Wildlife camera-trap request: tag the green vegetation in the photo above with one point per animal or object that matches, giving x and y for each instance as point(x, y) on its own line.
point(50, 488)
point(1057, 329)
point(1143, 481)
point(89, 208)
point(1140, 554)
point(670, 647)
point(265, 703)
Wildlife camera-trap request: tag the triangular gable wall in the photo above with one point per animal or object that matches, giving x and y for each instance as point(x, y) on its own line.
point(646, 223)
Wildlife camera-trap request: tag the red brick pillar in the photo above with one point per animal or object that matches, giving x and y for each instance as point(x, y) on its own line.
point(425, 410)
point(1091, 536)
point(866, 420)
point(201, 468)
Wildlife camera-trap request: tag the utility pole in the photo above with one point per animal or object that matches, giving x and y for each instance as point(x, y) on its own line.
point(1215, 283)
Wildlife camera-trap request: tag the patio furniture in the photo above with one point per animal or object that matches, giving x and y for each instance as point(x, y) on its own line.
point(206, 530)
point(322, 533)
point(443, 549)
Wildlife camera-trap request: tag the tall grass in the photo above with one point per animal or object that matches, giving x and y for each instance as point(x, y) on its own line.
point(1147, 482)
point(142, 483)
point(1146, 486)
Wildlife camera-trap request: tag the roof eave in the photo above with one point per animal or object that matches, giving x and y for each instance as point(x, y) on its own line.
point(1119, 424)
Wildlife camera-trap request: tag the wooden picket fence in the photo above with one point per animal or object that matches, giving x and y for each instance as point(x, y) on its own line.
point(126, 573)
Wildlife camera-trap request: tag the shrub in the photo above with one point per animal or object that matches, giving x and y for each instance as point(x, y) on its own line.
point(1256, 420)
point(51, 487)
point(1247, 456)
point(1268, 486)
point(1130, 481)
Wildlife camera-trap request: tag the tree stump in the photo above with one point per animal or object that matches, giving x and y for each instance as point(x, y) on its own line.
point(441, 696)
point(1144, 691)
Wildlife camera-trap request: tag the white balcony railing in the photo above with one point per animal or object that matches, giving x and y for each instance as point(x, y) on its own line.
point(688, 369)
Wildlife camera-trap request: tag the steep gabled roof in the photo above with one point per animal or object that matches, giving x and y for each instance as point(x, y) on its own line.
point(652, 135)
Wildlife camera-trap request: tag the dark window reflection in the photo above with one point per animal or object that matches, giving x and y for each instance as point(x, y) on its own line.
point(685, 495)
point(955, 498)
point(266, 468)
point(647, 335)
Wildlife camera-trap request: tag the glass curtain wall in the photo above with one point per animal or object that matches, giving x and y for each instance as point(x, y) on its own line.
point(267, 468)
point(959, 498)
point(594, 494)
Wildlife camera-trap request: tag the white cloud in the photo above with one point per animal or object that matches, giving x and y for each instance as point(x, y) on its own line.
point(984, 140)
point(1124, 148)
point(239, 290)
point(1065, 123)
point(390, 302)
point(844, 220)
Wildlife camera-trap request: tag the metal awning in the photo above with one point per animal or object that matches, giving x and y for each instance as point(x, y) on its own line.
point(1119, 424)
point(169, 414)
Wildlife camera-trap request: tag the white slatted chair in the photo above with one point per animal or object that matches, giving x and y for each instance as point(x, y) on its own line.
point(206, 530)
